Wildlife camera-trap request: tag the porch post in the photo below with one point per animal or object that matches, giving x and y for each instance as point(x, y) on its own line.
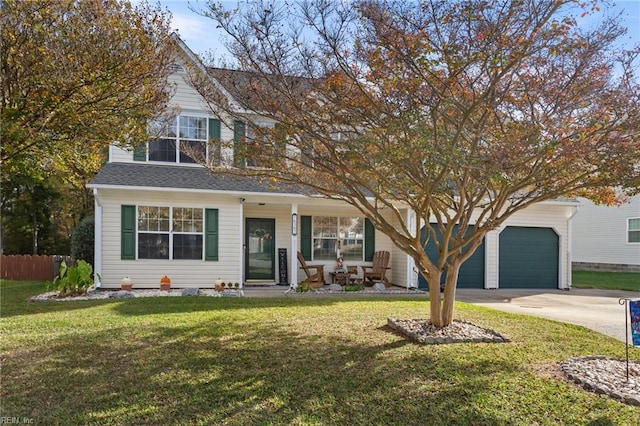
point(293, 273)
point(411, 220)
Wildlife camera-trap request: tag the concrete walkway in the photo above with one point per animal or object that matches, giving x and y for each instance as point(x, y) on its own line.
point(597, 310)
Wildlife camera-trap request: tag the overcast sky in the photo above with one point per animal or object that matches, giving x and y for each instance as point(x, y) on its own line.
point(201, 34)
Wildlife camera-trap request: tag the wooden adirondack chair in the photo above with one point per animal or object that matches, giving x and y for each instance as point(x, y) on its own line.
point(378, 269)
point(315, 279)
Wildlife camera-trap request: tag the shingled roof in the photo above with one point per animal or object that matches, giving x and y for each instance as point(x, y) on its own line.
point(183, 177)
point(251, 89)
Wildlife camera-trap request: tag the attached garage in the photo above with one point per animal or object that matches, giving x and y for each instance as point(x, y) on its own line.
point(528, 257)
point(471, 272)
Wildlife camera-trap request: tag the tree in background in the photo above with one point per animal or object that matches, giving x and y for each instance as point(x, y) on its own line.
point(82, 240)
point(77, 76)
point(466, 112)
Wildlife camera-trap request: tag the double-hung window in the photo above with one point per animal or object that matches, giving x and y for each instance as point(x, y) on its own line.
point(633, 230)
point(184, 140)
point(338, 236)
point(251, 142)
point(170, 233)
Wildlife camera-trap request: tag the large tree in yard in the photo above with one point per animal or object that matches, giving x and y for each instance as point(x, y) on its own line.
point(464, 111)
point(76, 76)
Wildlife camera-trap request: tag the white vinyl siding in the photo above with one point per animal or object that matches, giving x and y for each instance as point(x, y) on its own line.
point(601, 234)
point(146, 273)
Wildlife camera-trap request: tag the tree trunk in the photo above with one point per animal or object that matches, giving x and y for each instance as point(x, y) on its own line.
point(450, 285)
point(434, 297)
point(34, 217)
point(441, 314)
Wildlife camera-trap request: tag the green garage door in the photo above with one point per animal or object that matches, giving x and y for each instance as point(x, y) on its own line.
point(528, 258)
point(471, 272)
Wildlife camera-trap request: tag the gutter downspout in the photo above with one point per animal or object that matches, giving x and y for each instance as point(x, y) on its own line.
point(97, 232)
point(570, 247)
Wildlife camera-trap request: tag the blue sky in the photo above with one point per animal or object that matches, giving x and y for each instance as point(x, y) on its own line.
point(201, 34)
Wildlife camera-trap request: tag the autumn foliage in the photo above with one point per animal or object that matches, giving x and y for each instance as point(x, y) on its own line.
point(465, 112)
point(76, 76)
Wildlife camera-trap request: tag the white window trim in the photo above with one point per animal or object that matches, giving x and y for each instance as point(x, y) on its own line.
point(337, 238)
point(178, 139)
point(629, 219)
point(171, 232)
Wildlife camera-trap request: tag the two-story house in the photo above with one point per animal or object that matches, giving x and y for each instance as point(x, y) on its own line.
point(159, 213)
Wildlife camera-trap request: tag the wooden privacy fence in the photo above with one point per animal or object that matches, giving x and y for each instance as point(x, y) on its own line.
point(31, 267)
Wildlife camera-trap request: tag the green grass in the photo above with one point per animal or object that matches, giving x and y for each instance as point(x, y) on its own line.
point(607, 280)
point(285, 361)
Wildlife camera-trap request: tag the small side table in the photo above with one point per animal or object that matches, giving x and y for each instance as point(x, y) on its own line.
point(341, 278)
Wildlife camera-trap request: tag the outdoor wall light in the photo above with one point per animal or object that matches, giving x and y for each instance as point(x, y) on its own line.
point(294, 224)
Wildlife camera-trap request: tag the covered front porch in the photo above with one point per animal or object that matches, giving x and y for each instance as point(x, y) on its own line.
point(276, 229)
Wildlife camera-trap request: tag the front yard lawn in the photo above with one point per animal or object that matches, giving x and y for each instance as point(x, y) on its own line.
point(607, 280)
point(275, 361)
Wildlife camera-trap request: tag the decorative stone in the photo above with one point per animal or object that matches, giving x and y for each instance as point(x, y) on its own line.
point(379, 287)
point(190, 292)
point(617, 395)
point(633, 400)
point(335, 287)
point(120, 294)
point(230, 294)
point(422, 331)
point(605, 376)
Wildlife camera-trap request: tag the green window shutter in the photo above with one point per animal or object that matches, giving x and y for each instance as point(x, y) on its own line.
point(140, 153)
point(211, 234)
point(214, 128)
point(305, 237)
point(369, 240)
point(214, 141)
point(239, 134)
point(128, 233)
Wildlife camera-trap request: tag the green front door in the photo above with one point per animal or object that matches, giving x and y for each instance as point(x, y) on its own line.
point(260, 252)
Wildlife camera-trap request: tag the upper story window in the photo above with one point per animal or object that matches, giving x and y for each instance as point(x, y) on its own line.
point(633, 230)
point(255, 140)
point(184, 139)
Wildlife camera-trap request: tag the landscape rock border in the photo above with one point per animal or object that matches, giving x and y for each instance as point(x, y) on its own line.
point(605, 376)
point(422, 331)
point(52, 296)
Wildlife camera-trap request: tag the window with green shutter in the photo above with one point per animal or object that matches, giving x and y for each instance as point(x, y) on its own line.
point(323, 237)
point(128, 232)
point(369, 240)
point(140, 153)
point(215, 154)
point(239, 138)
point(211, 234)
point(305, 237)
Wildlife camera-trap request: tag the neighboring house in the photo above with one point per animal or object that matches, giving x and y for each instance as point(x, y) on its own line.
point(607, 238)
point(157, 213)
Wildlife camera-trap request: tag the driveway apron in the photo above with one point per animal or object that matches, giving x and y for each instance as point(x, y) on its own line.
point(597, 310)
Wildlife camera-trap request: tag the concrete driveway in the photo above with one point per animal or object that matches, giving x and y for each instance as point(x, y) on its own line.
point(597, 310)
